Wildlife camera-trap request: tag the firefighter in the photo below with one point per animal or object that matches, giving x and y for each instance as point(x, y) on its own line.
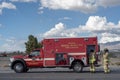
point(106, 60)
point(92, 61)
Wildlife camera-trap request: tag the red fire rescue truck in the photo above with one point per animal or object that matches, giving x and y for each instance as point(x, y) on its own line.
point(58, 52)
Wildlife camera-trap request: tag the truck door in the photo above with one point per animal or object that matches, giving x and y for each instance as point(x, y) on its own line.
point(89, 48)
point(34, 59)
point(61, 59)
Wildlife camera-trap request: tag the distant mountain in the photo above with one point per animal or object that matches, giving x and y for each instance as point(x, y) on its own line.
point(111, 45)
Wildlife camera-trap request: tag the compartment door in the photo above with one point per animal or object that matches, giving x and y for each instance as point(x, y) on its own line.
point(89, 48)
point(61, 59)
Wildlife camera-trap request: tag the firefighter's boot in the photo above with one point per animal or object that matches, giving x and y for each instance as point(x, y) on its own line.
point(106, 69)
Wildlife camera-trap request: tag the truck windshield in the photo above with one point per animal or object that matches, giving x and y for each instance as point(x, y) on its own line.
point(35, 53)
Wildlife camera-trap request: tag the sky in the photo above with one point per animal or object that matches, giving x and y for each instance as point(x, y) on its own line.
point(58, 18)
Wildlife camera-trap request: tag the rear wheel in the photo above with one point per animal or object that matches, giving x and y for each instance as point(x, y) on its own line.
point(77, 67)
point(19, 67)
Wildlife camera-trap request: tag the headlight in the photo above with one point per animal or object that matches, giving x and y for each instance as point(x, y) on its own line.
point(11, 59)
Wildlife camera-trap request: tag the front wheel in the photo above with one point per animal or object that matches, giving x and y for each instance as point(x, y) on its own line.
point(26, 69)
point(18, 68)
point(78, 67)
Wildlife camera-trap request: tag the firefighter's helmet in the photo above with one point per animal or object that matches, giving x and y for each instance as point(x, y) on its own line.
point(106, 50)
point(91, 50)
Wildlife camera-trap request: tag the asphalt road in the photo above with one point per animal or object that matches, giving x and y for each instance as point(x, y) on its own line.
point(60, 74)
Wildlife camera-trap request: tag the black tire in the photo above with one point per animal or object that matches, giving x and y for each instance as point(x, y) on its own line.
point(18, 67)
point(26, 69)
point(77, 67)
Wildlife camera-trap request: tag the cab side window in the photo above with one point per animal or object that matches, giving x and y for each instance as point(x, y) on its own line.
point(35, 53)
